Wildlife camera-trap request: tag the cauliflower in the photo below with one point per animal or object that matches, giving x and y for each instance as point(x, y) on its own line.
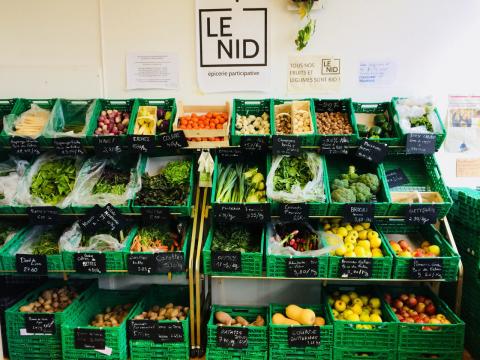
point(371, 180)
point(361, 191)
point(343, 195)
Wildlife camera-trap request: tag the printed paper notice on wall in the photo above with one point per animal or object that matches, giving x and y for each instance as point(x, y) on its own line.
point(152, 70)
point(314, 74)
point(377, 73)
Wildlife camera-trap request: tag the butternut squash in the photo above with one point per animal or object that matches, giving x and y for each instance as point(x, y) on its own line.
point(319, 321)
point(303, 316)
point(279, 319)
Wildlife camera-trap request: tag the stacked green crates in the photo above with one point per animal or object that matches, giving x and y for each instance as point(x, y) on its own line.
point(6, 107)
point(306, 139)
point(466, 207)
point(257, 348)
point(164, 104)
point(279, 346)
point(148, 349)
point(250, 107)
point(115, 337)
point(350, 354)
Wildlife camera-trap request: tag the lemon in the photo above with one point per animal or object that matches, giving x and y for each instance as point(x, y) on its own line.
point(360, 251)
point(375, 242)
point(341, 250)
point(364, 243)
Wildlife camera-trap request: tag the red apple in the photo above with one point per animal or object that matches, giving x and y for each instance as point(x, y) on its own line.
point(419, 321)
point(412, 302)
point(403, 244)
point(409, 320)
point(430, 309)
point(420, 308)
point(404, 297)
point(398, 304)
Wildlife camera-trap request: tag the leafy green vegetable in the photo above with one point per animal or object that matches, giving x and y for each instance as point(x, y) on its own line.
point(421, 121)
point(291, 171)
point(47, 243)
point(240, 183)
point(236, 238)
point(7, 230)
point(112, 181)
point(304, 34)
point(159, 237)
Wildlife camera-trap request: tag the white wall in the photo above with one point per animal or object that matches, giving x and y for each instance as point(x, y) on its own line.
point(74, 48)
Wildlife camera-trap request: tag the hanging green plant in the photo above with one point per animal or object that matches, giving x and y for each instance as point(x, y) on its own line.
point(306, 32)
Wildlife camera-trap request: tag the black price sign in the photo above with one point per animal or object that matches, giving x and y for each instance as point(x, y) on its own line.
point(358, 212)
point(293, 212)
point(232, 337)
point(286, 145)
point(396, 177)
point(24, 146)
point(90, 263)
point(333, 145)
point(302, 267)
point(107, 145)
point(372, 151)
point(426, 268)
point(111, 218)
point(31, 264)
point(142, 143)
point(68, 146)
point(227, 213)
point(168, 262)
point(40, 323)
point(257, 213)
point(303, 336)
point(43, 215)
point(421, 214)
point(226, 261)
point(141, 264)
point(155, 215)
point(355, 268)
point(168, 333)
point(90, 339)
point(174, 140)
point(423, 144)
point(141, 329)
point(230, 154)
point(254, 145)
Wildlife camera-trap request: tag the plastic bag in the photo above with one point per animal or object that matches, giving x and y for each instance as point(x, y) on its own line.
point(72, 238)
point(89, 175)
point(30, 123)
point(312, 191)
point(68, 112)
point(328, 242)
point(23, 195)
point(414, 107)
point(33, 236)
point(10, 173)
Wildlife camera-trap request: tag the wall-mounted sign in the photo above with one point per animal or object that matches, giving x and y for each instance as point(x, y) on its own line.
point(314, 74)
point(233, 39)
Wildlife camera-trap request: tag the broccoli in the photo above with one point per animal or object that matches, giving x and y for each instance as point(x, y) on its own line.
point(361, 191)
point(371, 180)
point(351, 176)
point(343, 195)
point(338, 184)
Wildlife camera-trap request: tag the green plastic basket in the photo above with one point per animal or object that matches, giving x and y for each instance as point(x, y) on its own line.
point(383, 336)
point(401, 265)
point(305, 139)
point(411, 336)
point(6, 107)
point(39, 346)
point(147, 349)
point(440, 137)
point(379, 108)
point(252, 262)
point(4, 249)
point(115, 337)
point(250, 107)
point(425, 354)
point(159, 163)
point(338, 164)
point(354, 354)
point(424, 175)
point(165, 104)
point(335, 105)
point(279, 337)
point(223, 354)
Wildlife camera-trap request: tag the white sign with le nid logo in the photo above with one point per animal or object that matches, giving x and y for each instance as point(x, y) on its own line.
point(233, 40)
point(314, 74)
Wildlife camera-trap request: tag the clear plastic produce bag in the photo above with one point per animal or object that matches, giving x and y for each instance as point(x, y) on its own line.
point(11, 171)
point(71, 241)
point(66, 113)
point(416, 107)
point(30, 123)
point(31, 237)
point(313, 191)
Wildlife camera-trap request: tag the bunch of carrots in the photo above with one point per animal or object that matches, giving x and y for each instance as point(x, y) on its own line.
point(157, 239)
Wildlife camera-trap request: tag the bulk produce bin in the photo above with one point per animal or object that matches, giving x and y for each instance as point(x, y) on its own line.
point(6, 107)
point(163, 106)
point(257, 108)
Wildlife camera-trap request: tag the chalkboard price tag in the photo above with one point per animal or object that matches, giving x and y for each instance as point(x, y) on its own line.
point(42, 215)
point(293, 212)
point(111, 219)
point(254, 145)
point(257, 213)
point(334, 145)
point(140, 264)
point(302, 267)
point(227, 213)
point(226, 261)
point(396, 177)
point(358, 212)
point(40, 324)
point(232, 337)
point(89, 339)
point(372, 151)
point(286, 145)
point(155, 215)
point(173, 140)
point(166, 262)
point(22, 146)
point(426, 268)
point(144, 144)
point(355, 268)
point(107, 145)
point(90, 263)
point(423, 144)
point(421, 214)
point(68, 146)
point(141, 329)
point(230, 154)
point(90, 222)
point(303, 336)
point(168, 333)
point(31, 264)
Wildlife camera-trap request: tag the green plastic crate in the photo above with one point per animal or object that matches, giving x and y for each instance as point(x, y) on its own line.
point(383, 336)
point(147, 349)
point(279, 337)
point(39, 346)
point(466, 207)
point(251, 107)
point(466, 239)
point(338, 164)
point(130, 105)
point(165, 104)
point(4, 158)
point(425, 354)
point(306, 139)
point(13, 239)
point(411, 336)
point(440, 137)
point(379, 108)
point(6, 107)
point(115, 337)
point(472, 338)
point(252, 262)
point(160, 162)
point(401, 265)
point(222, 354)
point(353, 354)
point(424, 175)
point(335, 105)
